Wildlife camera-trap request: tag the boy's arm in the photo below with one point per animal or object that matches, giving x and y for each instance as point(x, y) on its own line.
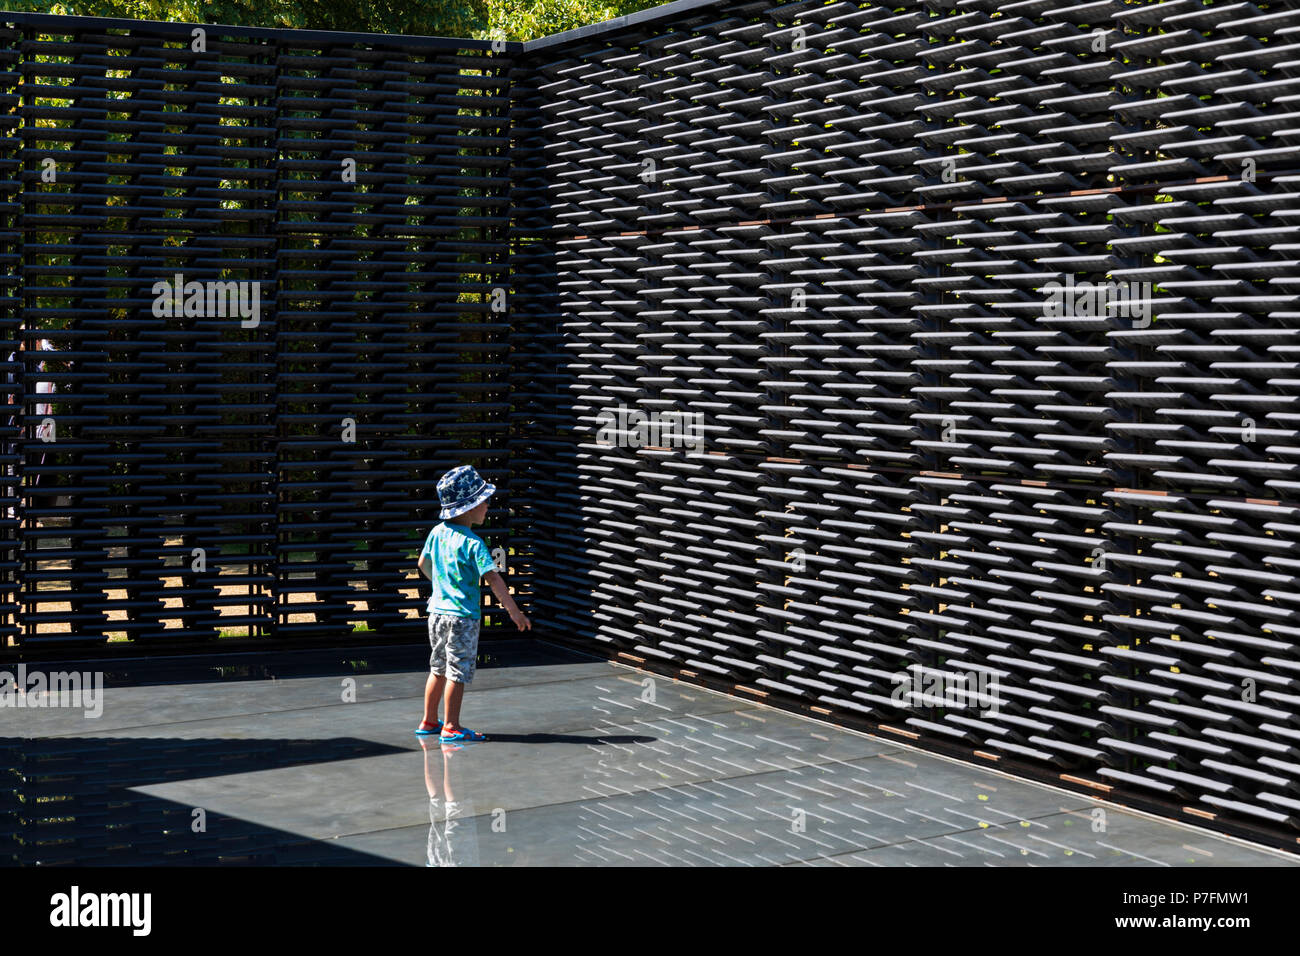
point(425, 565)
point(498, 585)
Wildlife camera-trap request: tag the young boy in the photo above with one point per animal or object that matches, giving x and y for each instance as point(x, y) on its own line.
point(454, 558)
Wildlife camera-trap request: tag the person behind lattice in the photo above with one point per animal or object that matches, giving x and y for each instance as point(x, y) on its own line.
point(44, 411)
point(43, 429)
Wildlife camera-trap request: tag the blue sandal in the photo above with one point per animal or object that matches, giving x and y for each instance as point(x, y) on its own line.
point(463, 734)
point(437, 729)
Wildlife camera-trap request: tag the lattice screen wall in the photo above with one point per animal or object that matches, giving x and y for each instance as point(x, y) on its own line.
point(229, 473)
point(990, 312)
point(840, 236)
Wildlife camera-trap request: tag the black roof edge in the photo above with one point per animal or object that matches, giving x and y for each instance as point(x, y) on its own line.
point(57, 22)
point(641, 17)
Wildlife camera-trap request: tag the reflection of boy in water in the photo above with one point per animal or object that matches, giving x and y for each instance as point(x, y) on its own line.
point(453, 829)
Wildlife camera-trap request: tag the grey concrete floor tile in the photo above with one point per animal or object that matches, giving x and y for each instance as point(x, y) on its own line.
point(1066, 839)
point(160, 705)
point(369, 792)
point(769, 819)
point(523, 713)
point(589, 763)
point(774, 817)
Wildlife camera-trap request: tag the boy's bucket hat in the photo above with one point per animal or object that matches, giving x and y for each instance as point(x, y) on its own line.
point(462, 489)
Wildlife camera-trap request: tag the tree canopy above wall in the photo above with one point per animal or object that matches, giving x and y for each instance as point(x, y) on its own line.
point(479, 19)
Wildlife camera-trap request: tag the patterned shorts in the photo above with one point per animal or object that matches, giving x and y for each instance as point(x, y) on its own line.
point(454, 640)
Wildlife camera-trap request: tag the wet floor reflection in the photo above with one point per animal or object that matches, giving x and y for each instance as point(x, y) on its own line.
point(587, 764)
point(453, 829)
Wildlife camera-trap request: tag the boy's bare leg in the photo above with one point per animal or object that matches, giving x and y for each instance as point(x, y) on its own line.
point(451, 707)
point(430, 777)
point(432, 693)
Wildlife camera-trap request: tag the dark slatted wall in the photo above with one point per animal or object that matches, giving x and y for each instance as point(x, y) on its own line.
point(832, 231)
point(986, 314)
point(217, 473)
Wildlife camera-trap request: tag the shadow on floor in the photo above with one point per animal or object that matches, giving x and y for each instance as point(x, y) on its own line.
point(67, 800)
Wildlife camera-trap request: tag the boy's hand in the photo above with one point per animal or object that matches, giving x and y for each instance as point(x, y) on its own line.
point(498, 585)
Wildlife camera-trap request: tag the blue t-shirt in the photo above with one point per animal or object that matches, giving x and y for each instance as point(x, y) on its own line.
point(458, 559)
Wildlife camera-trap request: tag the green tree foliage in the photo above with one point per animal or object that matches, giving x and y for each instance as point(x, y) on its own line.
point(524, 20)
point(480, 19)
